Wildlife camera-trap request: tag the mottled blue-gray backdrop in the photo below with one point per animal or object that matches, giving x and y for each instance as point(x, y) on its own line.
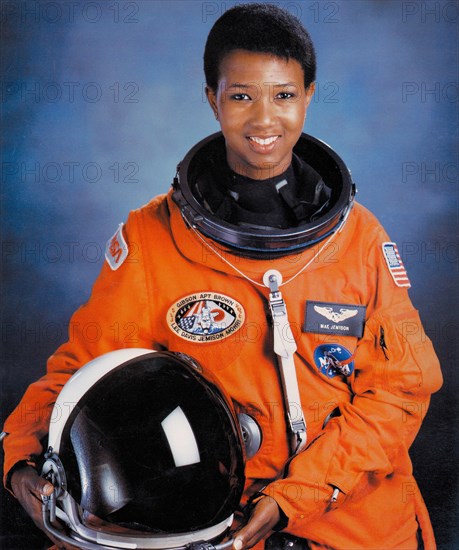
point(100, 100)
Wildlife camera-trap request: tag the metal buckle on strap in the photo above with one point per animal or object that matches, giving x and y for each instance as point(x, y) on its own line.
point(299, 426)
point(278, 307)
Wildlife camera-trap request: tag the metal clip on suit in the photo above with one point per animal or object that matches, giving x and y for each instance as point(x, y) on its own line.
point(285, 348)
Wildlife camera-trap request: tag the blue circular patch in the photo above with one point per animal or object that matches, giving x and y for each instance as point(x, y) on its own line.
point(333, 359)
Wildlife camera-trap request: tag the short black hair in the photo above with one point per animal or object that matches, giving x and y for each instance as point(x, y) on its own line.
point(262, 28)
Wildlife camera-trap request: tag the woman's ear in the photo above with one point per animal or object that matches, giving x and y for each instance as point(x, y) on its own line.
point(212, 99)
point(310, 92)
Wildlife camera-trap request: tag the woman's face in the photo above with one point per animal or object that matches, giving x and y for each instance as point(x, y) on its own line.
point(261, 105)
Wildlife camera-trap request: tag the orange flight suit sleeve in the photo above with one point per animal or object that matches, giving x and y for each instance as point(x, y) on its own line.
point(114, 317)
point(396, 370)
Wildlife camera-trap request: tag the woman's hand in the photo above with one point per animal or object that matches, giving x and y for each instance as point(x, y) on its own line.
point(265, 516)
point(28, 487)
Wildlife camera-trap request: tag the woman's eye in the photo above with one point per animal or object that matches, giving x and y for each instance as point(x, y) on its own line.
point(240, 97)
point(285, 95)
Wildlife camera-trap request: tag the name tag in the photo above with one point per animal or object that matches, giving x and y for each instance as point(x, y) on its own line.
point(333, 318)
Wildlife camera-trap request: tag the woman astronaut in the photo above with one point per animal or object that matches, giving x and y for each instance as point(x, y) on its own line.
point(259, 264)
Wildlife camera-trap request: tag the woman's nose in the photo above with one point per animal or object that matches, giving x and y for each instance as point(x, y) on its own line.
point(263, 112)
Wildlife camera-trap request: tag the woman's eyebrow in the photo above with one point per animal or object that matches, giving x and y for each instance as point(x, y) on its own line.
point(283, 85)
point(255, 85)
point(239, 85)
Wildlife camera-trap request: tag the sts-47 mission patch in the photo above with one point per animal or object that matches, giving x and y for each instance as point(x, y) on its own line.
point(395, 265)
point(205, 317)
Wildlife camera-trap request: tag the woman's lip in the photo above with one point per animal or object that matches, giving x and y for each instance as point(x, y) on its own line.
point(263, 145)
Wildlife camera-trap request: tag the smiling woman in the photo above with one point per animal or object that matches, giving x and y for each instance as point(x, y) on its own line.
point(261, 104)
point(259, 266)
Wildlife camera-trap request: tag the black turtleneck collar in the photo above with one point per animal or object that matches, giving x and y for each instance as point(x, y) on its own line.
point(282, 201)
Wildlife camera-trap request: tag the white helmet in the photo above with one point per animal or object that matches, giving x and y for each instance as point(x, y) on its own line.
point(144, 452)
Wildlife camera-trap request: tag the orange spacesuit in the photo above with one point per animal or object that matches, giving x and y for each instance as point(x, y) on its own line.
point(362, 354)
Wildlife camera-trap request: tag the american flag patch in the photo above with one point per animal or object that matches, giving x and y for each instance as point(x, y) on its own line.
point(395, 265)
